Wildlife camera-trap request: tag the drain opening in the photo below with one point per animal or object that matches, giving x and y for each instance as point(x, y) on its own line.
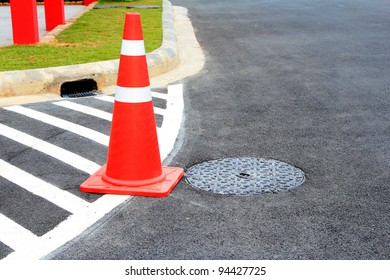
point(244, 176)
point(79, 88)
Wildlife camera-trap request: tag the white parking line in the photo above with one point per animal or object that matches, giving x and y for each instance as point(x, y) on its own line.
point(106, 98)
point(49, 149)
point(159, 95)
point(94, 112)
point(14, 235)
point(63, 199)
point(159, 111)
point(85, 109)
point(28, 246)
point(76, 224)
point(67, 230)
point(72, 127)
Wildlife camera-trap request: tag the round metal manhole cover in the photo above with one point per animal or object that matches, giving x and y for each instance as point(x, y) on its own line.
point(244, 176)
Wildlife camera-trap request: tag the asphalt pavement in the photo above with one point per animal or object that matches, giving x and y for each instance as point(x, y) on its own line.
point(300, 81)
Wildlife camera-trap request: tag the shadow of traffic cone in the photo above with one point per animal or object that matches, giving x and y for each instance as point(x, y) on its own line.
point(133, 163)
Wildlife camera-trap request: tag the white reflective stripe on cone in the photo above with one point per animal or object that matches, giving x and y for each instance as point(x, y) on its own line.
point(133, 95)
point(133, 47)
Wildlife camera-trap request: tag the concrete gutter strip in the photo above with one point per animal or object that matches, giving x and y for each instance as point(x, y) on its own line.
point(166, 57)
point(49, 80)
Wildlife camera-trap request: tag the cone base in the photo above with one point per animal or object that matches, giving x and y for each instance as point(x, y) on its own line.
point(95, 184)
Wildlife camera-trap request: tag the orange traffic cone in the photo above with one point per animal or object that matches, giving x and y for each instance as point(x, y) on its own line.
point(133, 164)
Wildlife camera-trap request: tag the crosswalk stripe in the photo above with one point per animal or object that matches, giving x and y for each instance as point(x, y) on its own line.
point(49, 149)
point(63, 124)
point(85, 109)
point(61, 198)
point(14, 235)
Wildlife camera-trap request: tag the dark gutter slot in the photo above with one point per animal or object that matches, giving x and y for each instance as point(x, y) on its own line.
point(79, 88)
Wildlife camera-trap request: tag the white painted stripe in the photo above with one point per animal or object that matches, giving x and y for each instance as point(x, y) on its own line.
point(160, 95)
point(106, 98)
point(68, 229)
point(63, 124)
point(14, 235)
point(85, 109)
point(133, 95)
point(172, 120)
point(62, 198)
point(95, 112)
point(133, 47)
point(158, 111)
point(49, 149)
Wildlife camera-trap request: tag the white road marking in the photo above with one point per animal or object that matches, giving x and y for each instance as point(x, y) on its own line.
point(14, 235)
point(49, 149)
point(63, 199)
point(28, 246)
point(172, 119)
point(72, 127)
point(104, 115)
point(159, 95)
point(68, 229)
point(159, 111)
point(95, 112)
point(106, 98)
point(85, 109)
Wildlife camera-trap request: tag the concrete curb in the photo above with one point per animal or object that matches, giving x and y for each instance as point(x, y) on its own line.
point(49, 80)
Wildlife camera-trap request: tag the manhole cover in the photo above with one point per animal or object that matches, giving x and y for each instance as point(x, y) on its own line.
point(245, 176)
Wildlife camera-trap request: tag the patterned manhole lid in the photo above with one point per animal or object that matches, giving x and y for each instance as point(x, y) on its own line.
point(244, 176)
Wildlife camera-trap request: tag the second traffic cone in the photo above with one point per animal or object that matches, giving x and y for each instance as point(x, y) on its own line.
point(133, 163)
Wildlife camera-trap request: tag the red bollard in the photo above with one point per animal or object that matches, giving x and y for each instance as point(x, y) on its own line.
point(54, 13)
point(24, 22)
point(87, 2)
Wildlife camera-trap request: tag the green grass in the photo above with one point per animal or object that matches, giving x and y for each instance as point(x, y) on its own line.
point(95, 36)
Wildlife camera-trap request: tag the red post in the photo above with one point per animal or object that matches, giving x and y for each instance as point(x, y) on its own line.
point(87, 2)
point(24, 21)
point(54, 13)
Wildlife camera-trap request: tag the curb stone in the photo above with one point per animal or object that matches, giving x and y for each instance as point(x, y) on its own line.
point(104, 73)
